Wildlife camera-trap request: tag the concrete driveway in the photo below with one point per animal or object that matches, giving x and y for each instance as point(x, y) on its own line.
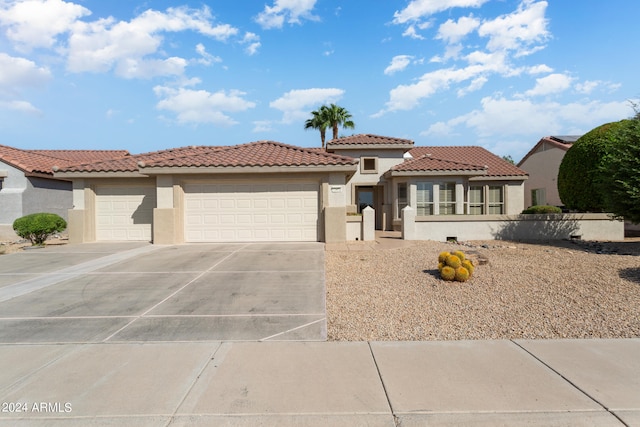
point(134, 292)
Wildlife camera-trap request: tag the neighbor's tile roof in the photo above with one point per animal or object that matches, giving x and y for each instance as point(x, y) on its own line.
point(369, 139)
point(469, 155)
point(261, 153)
point(561, 142)
point(429, 163)
point(43, 161)
point(83, 156)
point(130, 163)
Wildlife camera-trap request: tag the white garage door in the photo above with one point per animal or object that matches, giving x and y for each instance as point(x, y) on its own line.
point(251, 212)
point(124, 213)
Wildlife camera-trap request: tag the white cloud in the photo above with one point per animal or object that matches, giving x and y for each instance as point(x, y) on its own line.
point(201, 106)
point(419, 9)
point(476, 84)
point(262, 126)
point(412, 33)
point(519, 30)
point(17, 74)
point(20, 106)
point(398, 63)
point(105, 44)
point(252, 41)
point(206, 57)
point(20, 72)
point(37, 23)
point(453, 32)
point(296, 104)
point(539, 69)
point(502, 117)
point(553, 83)
point(291, 11)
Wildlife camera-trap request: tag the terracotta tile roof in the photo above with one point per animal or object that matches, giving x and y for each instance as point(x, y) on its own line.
point(129, 163)
point(83, 156)
point(261, 153)
point(429, 163)
point(369, 140)
point(470, 155)
point(561, 142)
point(43, 161)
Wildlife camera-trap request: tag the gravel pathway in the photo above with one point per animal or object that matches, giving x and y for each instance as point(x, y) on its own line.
point(532, 291)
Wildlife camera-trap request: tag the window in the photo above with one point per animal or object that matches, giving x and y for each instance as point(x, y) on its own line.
point(402, 197)
point(424, 205)
point(496, 199)
point(369, 165)
point(538, 197)
point(447, 198)
point(476, 200)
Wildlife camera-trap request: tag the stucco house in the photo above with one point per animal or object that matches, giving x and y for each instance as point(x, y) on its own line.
point(27, 184)
point(542, 163)
point(269, 191)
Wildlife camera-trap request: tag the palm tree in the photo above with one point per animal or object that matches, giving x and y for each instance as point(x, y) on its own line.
point(318, 121)
point(338, 116)
point(332, 116)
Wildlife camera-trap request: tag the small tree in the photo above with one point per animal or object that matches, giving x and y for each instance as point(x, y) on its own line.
point(38, 227)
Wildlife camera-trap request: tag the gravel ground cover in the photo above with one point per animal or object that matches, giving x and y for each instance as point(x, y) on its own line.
point(531, 291)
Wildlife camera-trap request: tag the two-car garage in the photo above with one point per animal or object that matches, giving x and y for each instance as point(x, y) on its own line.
point(215, 212)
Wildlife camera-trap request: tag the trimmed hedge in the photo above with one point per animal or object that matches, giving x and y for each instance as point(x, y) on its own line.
point(38, 227)
point(579, 175)
point(542, 209)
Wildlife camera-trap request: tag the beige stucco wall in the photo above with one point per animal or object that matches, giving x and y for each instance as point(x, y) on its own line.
point(520, 227)
point(386, 159)
point(542, 167)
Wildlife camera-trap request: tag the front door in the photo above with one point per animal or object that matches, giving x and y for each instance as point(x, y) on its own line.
point(371, 195)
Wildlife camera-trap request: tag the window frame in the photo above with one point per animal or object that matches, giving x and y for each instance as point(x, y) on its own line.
point(364, 170)
point(480, 204)
point(401, 205)
point(444, 205)
point(427, 205)
point(491, 205)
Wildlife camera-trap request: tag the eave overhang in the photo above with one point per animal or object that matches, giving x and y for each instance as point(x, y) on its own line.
point(369, 147)
point(472, 173)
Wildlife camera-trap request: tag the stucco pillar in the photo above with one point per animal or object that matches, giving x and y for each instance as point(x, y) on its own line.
point(335, 224)
point(75, 226)
point(459, 199)
point(368, 224)
point(409, 223)
point(164, 214)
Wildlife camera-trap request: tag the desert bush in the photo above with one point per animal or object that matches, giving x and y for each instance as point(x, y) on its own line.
point(542, 209)
point(38, 227)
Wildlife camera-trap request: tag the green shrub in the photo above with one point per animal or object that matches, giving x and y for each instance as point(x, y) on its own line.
point(542, 209)
point(38, 227)
point(579, 174)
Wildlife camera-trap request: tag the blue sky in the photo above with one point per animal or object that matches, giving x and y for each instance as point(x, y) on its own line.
point(150, 75)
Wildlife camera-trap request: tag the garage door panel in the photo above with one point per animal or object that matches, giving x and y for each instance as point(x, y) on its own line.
point(271, 211)
point(124, 212)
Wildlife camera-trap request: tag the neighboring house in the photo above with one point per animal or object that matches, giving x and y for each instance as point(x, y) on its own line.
point(542, 163)
point(269, 191)
point(27, 184)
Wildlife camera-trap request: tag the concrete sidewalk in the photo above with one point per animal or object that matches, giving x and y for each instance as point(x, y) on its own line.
point(511, 383)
